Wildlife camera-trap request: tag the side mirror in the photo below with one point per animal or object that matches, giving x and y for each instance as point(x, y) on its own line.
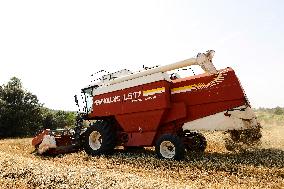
point(76, 100)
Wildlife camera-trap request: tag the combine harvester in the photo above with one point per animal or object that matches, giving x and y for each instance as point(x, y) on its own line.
point(154, 108)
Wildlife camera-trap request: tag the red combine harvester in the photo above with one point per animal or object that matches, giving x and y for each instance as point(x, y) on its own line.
point(154, 108)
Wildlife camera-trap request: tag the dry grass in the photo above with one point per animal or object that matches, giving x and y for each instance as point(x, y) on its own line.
point(262, 167)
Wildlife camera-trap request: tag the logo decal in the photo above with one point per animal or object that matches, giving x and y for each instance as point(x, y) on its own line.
point(154, 91)
point(219, 79)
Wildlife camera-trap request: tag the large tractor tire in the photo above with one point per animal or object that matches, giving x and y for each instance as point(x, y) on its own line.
point(170, 147)
point(100, 138)
point(195, 142)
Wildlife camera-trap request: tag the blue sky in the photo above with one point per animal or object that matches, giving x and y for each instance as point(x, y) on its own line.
point(54, 46)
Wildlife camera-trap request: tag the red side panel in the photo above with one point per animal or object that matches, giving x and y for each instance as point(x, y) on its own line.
point(175, 112)
point(140, 125)
point(141, 139)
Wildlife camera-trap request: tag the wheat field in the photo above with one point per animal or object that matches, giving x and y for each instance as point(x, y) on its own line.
point(260, 167)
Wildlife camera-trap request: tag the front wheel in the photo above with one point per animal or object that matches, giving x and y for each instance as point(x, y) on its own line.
point(170, 147)
point(100, 138)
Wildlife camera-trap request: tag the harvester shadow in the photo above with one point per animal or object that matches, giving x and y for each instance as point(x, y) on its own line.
point(267, 158)
point(208, 161)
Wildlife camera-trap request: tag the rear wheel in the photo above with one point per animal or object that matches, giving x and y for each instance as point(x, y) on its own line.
point(195, 142)
point(100, 138)
point(170, 147)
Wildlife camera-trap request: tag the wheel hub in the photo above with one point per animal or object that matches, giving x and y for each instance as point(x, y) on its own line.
point(167, 149)
point(95, 140)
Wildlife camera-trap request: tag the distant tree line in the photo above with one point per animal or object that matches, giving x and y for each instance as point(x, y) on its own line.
point(21, 113)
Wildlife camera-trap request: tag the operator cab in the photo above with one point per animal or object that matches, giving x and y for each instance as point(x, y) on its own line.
point(85, 103)
point(100, 79)
point(88, 94)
